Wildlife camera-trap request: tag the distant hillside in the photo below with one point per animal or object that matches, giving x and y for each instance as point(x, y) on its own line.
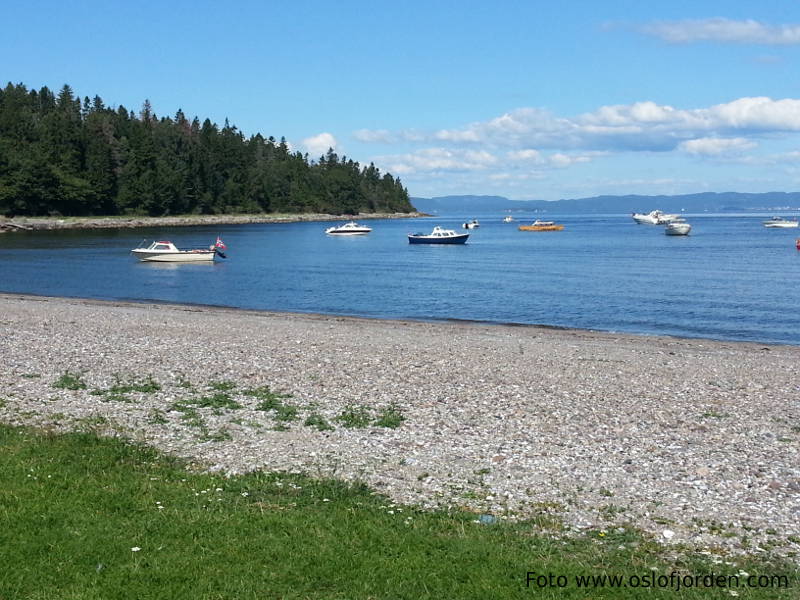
point(703, 202)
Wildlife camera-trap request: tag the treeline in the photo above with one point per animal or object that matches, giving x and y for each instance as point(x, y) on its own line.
point(63, 156)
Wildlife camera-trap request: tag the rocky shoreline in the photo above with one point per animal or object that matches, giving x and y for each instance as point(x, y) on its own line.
point(50, 223)
point(696, 442)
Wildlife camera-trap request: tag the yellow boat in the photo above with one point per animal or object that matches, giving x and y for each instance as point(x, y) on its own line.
point(538, 225)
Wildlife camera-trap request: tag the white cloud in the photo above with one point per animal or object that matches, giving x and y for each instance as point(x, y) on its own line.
point(533, 156)
point(318, 145)
point(565, 160)
point(641, 126)
point(373, 135)
point(723, 30)
point(439, 159)
point(716, 146)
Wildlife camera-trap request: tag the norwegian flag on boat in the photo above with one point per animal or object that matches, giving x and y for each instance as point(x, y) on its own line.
point(220, 244)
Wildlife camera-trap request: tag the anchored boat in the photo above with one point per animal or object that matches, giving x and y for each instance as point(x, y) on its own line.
point(538, 225)
point(438, 236)
point(351, 228)
point(166, 251)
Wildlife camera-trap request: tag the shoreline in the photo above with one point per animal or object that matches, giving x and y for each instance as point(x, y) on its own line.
point(763, 345)
point(694, 438)
point(119, 222)
point(578, 331)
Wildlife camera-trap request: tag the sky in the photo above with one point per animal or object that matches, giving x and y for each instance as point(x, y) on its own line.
point(524, 99)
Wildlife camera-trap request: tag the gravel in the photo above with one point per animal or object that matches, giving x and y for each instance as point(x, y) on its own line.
point(696, 442)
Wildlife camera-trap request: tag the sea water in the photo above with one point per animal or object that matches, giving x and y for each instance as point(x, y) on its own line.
point(730, 279)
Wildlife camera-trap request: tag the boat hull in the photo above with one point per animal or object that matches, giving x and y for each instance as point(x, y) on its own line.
point(678, 229)
point(788, 225)
point(343, 233)
point(541, 227)
point(423, 239)
point(174, 257)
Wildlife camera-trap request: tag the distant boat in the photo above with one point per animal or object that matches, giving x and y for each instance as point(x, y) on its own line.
point(471, 224)
point(780, 222)
point(166, 251)
point(438, 236)
point(655, 217)
point(538, 225)
point(508, 219)
point(351, 228)
point(677, 228)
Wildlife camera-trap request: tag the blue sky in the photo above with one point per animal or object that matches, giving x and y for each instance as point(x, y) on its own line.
point(529, 100)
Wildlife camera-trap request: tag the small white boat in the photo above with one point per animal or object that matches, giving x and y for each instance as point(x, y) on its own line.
point(508, 219)
point(677, 228)
point(471, 224)
point(438, 236)
point(351, 228)
point(166, 251)
point(655, 217)
point(780, 222)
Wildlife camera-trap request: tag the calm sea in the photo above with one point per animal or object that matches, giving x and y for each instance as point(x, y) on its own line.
point(731, 279)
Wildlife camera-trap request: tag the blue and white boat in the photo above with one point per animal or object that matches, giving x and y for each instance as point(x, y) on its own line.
point(438, 236)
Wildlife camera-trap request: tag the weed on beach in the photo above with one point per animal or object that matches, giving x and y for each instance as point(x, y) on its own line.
point(355, 417)
point(170, 532)
point(390, 417)
point(70, 381)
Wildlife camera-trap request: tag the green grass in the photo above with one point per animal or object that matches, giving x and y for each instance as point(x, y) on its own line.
point(318, 422)
point(390, 417)
point(70, 381)
point(83, 518)
point(273, 401)
point(219, 400)
point(354, 417)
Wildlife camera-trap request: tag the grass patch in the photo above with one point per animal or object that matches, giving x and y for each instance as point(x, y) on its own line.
point(222, 386)
point(273, 401)
point(355, 417)
point(318, 422)
point(157, 417)
point(269, 399)
point(219, 400)
point(390, 417)
point(70, 381)
point(125, 522)
point(120, 390)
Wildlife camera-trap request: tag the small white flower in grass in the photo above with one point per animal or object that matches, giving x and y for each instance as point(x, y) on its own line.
point(733, 592)
point(135, 549)
point(326, 499)
point(245, 494)
point(668, 534)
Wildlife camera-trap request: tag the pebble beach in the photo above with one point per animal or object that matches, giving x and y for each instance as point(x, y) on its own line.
point(695, 442)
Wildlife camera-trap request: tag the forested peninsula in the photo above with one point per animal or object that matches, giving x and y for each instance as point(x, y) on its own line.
point(63, 156)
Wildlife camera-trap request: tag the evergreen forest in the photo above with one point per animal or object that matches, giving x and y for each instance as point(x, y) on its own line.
point(60, 155)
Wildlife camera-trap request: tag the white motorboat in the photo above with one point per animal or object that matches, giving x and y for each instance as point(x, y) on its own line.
point(166, 251)
point(780, 222)
point(655, 217)
point(508, 219)
point(677, 228)
point(471, 224)
point(438, 236)
point(351, 228)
